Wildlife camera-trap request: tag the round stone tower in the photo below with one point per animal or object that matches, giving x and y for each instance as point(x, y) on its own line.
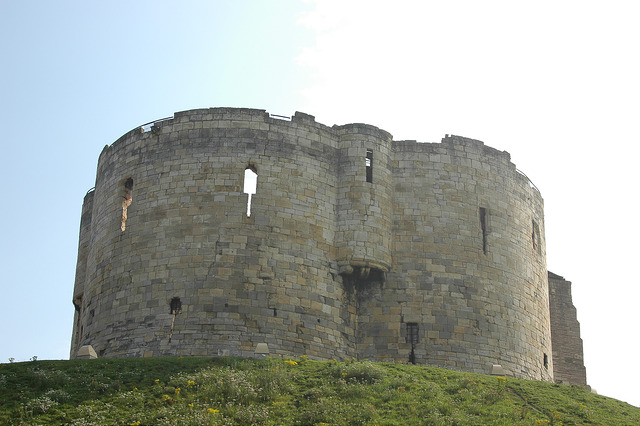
point(363, 208)
point(350, 244)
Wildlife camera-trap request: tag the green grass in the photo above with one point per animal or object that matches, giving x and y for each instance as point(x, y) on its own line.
point(228, 391)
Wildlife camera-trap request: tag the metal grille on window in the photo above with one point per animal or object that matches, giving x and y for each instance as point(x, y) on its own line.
point(412, 333)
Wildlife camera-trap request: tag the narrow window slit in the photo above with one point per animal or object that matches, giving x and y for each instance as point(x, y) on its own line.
point(126, 202)
point(483, 226)
point(250, 185)
point(545, 361)
point(535, 237)
point(369, 165)
point(176, 307)
point(77, 304)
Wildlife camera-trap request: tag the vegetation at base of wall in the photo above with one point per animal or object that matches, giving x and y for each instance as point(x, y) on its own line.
point(229, 391)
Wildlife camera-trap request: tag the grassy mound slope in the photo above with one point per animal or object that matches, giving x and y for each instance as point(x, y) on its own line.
point(227, 391)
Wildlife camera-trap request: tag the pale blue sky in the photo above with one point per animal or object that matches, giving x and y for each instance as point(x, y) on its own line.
point(552, 82)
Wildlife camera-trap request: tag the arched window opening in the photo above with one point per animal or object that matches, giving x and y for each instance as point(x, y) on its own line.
point(126, 202)
point(250, 185)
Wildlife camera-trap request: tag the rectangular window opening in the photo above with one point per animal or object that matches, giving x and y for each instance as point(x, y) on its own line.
point(483, 226)
point(250, 185)
point(412, 332)
point(369, 165)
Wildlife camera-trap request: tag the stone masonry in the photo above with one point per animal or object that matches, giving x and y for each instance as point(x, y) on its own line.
point(356, 246)
point(568, 361)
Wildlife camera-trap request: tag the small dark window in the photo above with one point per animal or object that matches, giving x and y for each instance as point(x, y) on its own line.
point(546, 361)
point(369, 165)
point(176, 308)
point(175, 305)
point(412, 332)
point(483, 226)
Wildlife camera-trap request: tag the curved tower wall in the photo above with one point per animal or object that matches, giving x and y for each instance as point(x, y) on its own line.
point(81, 269)
point(327, 264)
point(240, 281)
point(364, 199)
point(466, 272)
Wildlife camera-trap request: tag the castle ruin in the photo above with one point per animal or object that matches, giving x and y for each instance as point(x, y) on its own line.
point(232, 232)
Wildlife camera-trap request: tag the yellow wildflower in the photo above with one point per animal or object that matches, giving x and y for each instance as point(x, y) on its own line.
point(191, 382)
point(137, 423)
point(157, 380)
point(191, 405)
point(178, 391)
point(304, 357)
point(291, 362)
point(213, 410)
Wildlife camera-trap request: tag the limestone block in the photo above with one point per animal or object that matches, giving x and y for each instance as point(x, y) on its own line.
point(86, 352)
point(262, 349)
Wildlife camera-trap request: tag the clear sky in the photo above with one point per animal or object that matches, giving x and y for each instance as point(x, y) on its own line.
point(554, 83)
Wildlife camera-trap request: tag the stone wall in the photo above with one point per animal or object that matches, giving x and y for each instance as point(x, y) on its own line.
point(356, 246)
point(465, 271)
point(565, 333)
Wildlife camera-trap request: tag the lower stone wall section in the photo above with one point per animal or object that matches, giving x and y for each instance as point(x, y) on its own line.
point(568, 359)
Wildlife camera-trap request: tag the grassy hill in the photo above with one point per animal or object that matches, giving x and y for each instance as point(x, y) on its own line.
point(227, 391)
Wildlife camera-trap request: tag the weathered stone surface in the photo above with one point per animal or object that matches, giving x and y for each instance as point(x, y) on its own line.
point(86, 352)
point(568, 356)
point(353, 239)
point(497, 370)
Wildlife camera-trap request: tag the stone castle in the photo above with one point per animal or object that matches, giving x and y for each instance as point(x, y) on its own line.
point(233, 232)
